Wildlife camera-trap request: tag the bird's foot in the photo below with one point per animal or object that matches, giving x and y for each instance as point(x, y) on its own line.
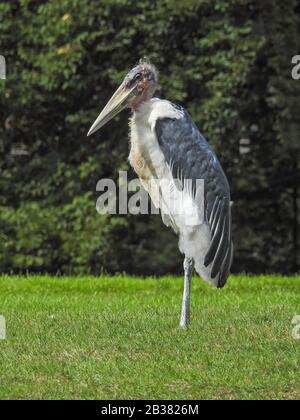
point(184, 325)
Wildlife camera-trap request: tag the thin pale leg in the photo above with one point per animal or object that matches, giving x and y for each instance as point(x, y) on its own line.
point(185, 311)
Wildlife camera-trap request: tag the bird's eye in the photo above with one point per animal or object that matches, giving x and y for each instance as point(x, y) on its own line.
point(138, 76)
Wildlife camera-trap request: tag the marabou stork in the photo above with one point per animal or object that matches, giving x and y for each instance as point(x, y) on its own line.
point(167, 145)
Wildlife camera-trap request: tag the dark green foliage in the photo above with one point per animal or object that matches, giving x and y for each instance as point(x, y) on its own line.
point(227, 61)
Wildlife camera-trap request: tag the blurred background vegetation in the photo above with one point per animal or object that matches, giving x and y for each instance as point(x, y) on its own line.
point(227, 61)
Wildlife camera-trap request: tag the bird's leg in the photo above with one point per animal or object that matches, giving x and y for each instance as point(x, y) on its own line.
point(185, 311)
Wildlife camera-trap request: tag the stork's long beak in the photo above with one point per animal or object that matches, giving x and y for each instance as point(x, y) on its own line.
point(115, 105)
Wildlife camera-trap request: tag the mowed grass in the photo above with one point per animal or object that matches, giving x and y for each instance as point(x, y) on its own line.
point(118, 338)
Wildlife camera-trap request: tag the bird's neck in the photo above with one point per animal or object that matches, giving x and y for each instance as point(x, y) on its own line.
point(146, 96)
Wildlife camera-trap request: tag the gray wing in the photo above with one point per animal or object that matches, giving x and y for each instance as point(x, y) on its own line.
point(190, 157)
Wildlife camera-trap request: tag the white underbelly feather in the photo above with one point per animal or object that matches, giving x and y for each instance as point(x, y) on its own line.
point(180, 212)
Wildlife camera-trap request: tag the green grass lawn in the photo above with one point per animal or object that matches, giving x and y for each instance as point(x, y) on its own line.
point(118, 338)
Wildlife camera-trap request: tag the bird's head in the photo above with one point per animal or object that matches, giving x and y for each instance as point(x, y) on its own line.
point(137, 87)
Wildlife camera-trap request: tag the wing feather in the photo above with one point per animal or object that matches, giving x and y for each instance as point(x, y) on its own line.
point(191, 158)
point(211, 210)
point(221, 251)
